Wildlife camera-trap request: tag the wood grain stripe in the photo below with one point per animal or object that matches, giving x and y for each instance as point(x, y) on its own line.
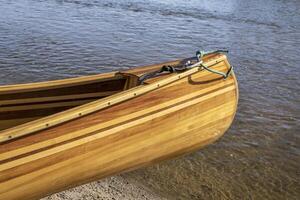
point(110, 131)
point(115, 121)
point(221, 116)
point(8, 89)
point(170, 120)
point(190, 117)
point(10, 122)
point(173, 90)
point(43, 106)
point(95, 106)
point(115, 156)
point(57, 98)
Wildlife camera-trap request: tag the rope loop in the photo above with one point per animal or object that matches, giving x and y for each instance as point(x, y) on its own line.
point(188, 65)
point(225, 75)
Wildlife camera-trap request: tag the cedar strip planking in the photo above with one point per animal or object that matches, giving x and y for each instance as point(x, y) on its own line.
point(4, 124)
point(9, 89)
point(105, 145)
point(100, 135)
point(30, 112)
point(79, 133)
point(172, 120)
point(16, 109)
point(44, 105)
point(56, 98)
point(111, 85)
point(43, 178)
point(69, 154)
point(151, 99)
point(24, 150)
point(88, 108)
point(108, 124)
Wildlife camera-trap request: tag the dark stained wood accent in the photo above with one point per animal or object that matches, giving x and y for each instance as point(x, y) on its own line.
point(78, 89)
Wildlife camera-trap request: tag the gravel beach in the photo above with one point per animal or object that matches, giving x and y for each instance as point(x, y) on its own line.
point(114, 188)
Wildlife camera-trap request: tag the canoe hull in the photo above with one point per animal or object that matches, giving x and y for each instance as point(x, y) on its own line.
point(173, 120)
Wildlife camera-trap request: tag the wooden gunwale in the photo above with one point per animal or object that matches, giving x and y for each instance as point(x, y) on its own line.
point(120, 120)
point(88, 108)
point(89, 121)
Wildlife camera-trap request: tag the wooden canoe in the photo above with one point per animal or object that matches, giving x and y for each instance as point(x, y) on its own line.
point(60, 134)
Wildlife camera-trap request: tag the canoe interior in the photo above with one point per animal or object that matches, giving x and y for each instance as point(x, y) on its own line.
point(18, 106)
point(23, 103)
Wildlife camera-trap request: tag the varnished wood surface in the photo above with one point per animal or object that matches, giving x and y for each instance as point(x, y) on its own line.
point(24, 103)
point(8, 89)
point(177, 118)
point(77, 112)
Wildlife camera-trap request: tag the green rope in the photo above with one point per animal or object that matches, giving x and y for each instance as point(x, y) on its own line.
point(188, 65)
point(225, 75)
point(201, 54)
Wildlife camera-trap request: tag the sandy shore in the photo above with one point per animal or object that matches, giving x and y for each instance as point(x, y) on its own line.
point(113, 188)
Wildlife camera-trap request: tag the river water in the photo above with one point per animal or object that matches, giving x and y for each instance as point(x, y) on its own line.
point(259, 157)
